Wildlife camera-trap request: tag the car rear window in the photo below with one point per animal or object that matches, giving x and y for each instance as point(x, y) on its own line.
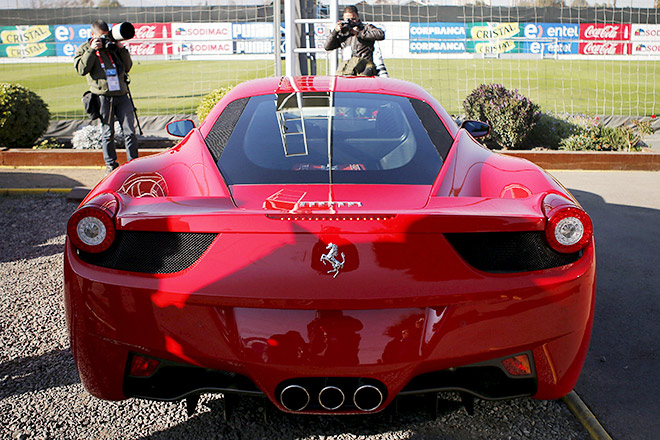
point(333, 138)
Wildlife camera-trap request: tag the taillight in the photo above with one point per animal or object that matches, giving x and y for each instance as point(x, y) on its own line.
point(92, 227)
point(569, 228)
point(142, 366)
point(518, 365)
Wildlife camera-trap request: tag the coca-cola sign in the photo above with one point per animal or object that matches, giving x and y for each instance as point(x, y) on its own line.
point(152, 31)
point(604, 48)
point(147, 49)
point(601, 31)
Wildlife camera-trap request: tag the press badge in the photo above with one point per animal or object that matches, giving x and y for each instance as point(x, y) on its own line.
point(113, 80)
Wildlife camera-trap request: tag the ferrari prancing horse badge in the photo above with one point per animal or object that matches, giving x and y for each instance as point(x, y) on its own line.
point(331, 257)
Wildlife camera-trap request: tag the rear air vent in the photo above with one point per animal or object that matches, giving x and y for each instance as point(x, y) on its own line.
point(151, 252)
point(509, 251)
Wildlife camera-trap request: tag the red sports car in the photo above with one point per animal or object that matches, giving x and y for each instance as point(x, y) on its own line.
point(329, 243)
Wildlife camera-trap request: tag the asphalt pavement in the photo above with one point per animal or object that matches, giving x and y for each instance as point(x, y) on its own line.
point(621, 377)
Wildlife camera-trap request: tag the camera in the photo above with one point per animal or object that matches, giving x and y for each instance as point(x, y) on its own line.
point(120, 32)
point(348, 24)
point(107, 42)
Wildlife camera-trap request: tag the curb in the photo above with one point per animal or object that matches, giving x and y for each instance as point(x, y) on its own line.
point(585, 416)
point(550, 160)
point(19, 191)
point(75, 194)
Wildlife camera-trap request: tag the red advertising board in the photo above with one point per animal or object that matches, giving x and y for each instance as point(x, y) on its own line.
point(151, 31)
point(146, 39)
point(142, 48)
point(602, 31)
point(604, 48)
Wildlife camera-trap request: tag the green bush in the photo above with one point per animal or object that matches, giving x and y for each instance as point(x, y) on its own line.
point(209, 101)
point(551, 129)
point(511, 115)
point(595, 137)
point(23, 116)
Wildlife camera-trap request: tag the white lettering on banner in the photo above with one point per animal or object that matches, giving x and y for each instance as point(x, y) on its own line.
point(63, 33)
point(437, 30)
point(254, 47)
point(563, 31)
point(608, 32)
point(252, 30)
point(69, 49)
point(532, 31)
point(202, 31)
point(453, 46)
point(145, 32)
point(207, 47)
point(600, 48)
point(142, 49)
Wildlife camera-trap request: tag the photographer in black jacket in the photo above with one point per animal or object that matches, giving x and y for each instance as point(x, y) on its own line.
point(360, 37)
point(106, 63)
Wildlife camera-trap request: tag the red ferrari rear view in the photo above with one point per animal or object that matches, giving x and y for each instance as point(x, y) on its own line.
point(330, 244)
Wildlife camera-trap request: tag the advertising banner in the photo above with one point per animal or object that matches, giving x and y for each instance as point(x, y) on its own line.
point(262, 31)
point(493, 38)
point(552, 30)
point(437, 46)
point(151, 31)
point(145, 48)
point(437, 31)
point(646, 48)
point(493, 31)
point(494, 47)
point(68, 37)
point(551, 38)
point(27, 50)
point(26, 41)
point(204, 48)
point(604, 48)
point(601, 31)
point(26, 34)
point(145, 42)
point(253, 46)
point(202, 31)
point(645, 32)
point(565, 47)
point(253, 38)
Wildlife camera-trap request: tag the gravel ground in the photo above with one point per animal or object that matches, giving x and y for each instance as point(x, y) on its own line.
point(41, 396)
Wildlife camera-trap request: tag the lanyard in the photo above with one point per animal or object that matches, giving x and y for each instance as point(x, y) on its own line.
point(101, 60)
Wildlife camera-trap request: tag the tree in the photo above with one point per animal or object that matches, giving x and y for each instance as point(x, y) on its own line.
point(109, 4)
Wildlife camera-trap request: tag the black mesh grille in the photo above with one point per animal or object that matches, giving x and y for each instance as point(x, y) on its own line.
point(224, 126)
point(151, 252)
point(509, 251)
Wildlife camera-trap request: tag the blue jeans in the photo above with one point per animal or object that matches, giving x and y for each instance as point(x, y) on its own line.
point(122, 108)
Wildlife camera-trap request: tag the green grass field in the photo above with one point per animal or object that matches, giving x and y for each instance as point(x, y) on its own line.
point(630, 88)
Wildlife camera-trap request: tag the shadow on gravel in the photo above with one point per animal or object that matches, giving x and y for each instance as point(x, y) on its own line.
point(29, 223)
point(34, 373)
point(624, 354)
point(249, 415)
point(36, 180)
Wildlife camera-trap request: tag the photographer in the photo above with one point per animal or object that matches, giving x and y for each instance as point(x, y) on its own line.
point(106, 63)
point(359, 37)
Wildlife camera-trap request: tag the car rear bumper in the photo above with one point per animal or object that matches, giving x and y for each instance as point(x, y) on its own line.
point(399, 342)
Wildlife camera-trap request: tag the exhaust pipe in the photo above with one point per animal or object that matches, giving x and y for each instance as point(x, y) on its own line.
point(331, 398)
point(367, 398)
point(294, 398)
